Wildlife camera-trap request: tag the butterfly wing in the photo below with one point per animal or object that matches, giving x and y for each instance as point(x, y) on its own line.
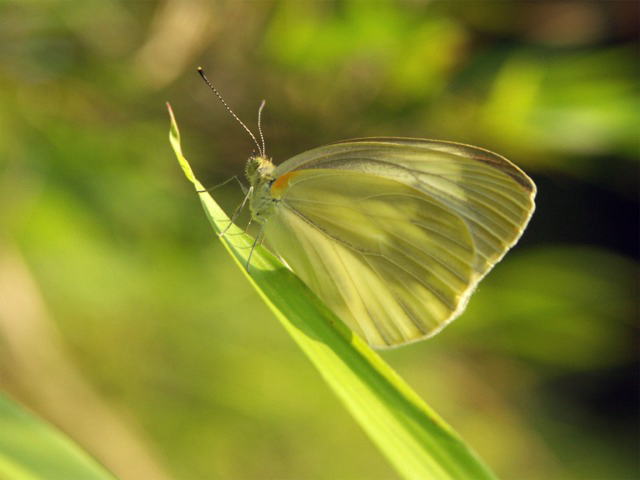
point(394, 234)
point(389, 260)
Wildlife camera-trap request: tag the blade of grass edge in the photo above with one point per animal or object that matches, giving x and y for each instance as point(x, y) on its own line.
point(30, 449)
point(415, 440)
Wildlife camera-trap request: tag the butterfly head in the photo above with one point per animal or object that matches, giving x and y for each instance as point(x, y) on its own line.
point(259, 169)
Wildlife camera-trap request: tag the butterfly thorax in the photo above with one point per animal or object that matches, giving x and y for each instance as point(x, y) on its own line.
point(259, 172)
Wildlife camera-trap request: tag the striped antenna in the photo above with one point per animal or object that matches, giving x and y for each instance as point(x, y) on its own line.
point(260, 148)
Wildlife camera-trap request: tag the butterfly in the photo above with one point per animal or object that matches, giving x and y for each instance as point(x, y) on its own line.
point(393, 234)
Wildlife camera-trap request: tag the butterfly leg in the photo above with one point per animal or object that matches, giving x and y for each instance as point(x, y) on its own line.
point(256, 242)
point(237, 212)
point(235, 177)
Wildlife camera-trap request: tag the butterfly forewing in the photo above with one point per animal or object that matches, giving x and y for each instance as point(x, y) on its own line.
point(493, 196)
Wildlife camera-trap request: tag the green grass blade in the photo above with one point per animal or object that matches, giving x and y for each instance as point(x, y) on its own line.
point(417, 442)
point(32, 450)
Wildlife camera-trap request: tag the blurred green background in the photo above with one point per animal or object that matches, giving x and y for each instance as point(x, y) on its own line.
point(123, 321)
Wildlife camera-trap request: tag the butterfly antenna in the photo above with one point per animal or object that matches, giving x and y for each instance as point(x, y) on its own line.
point(214, 90)
point(264, 148)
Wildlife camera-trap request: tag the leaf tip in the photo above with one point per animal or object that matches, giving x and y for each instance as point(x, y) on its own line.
point(171, 114)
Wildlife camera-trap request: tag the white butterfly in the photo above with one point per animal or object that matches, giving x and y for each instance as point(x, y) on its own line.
point(393, 234)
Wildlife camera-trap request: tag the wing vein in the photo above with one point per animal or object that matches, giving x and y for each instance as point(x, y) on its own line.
point(435, 293)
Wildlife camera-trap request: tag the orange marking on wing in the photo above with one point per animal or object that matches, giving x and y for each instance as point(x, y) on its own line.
point(282, 183)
